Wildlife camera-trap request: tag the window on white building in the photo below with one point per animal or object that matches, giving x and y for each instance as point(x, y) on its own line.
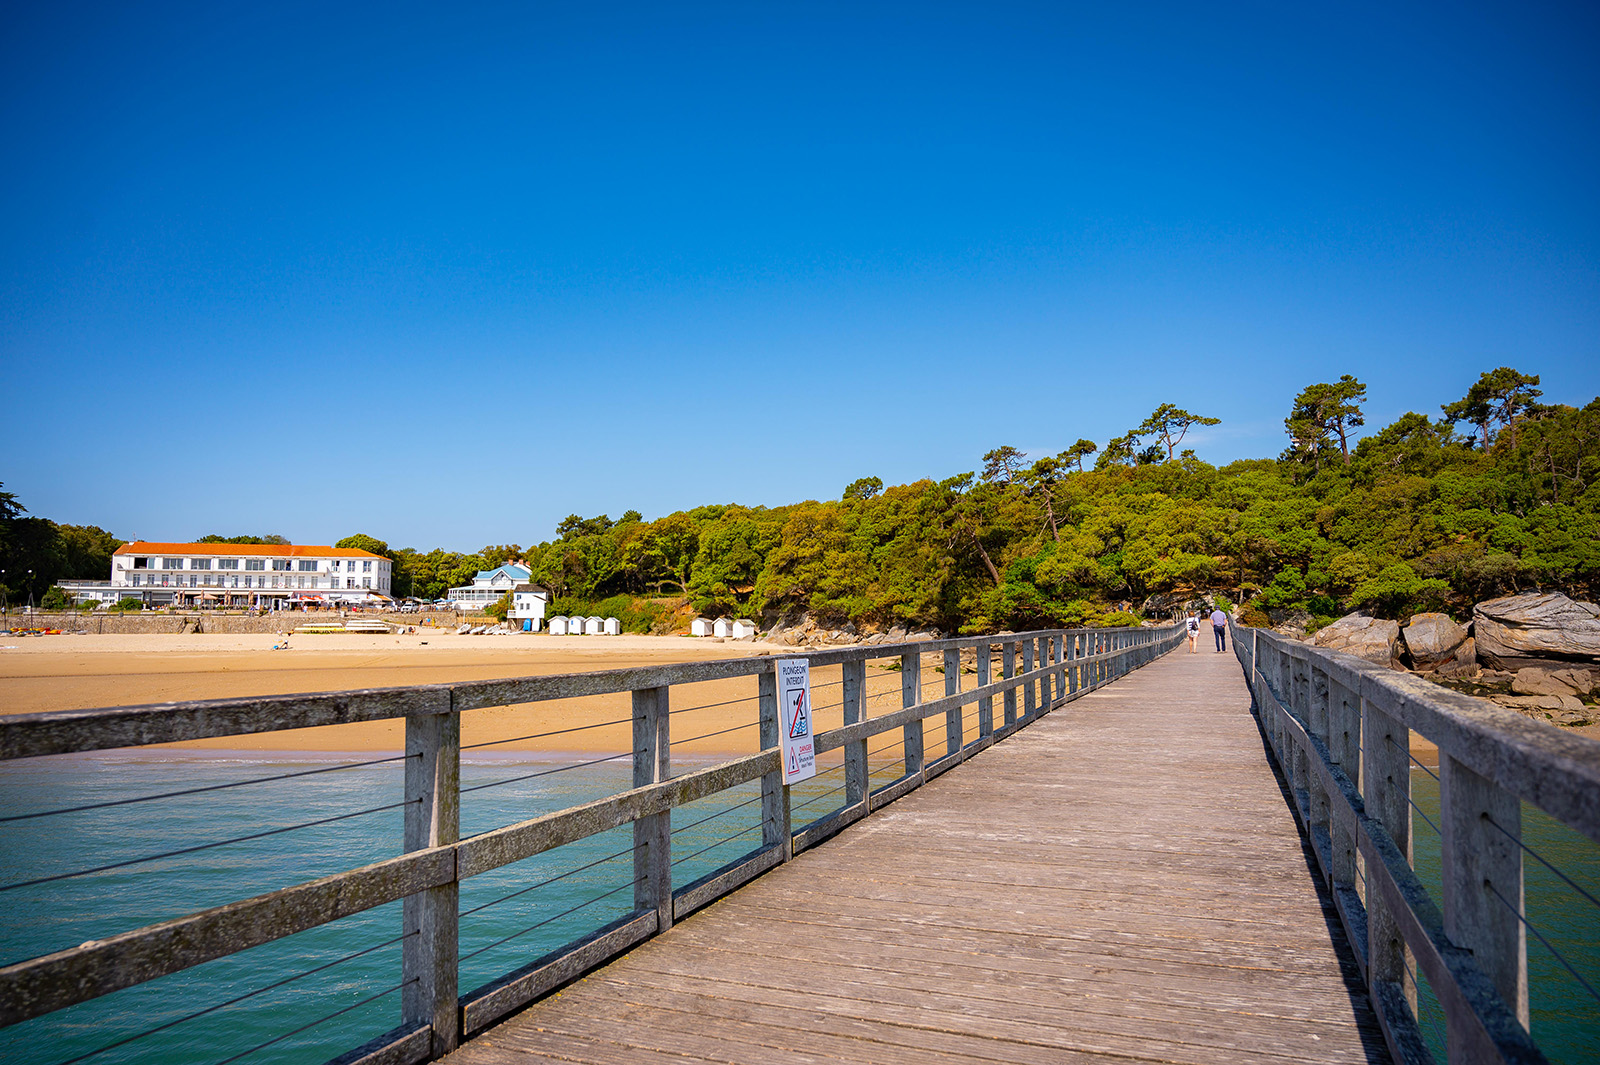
point(227, 563)
point(199, 563)
point(280, 564)
point(141, 563)
point(255, 563)
point(308, 565)
point(136, 580)
point(172, 563)
point(366, 565)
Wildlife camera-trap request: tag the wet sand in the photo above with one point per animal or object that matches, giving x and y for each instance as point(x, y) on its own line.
point(77, 672)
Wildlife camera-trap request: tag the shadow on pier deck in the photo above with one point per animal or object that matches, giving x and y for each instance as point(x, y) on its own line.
point(1123, 881)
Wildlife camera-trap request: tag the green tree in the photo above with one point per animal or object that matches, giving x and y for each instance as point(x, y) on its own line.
point(1002, 465)
point(363, 542)
point(1499, 398)
point(1078, 452)
point(270, 538)
point(863, 488)
point(1170, 425)
point(1324, 411)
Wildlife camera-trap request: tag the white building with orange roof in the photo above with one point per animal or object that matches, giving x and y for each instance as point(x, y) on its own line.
point(240, 575)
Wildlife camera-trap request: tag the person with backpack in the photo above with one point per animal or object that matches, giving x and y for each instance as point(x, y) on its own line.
point(1194, 631)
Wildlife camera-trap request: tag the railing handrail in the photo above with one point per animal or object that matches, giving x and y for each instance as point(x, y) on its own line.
point(1057, 666)
point(1340, 728)
point(101, 728)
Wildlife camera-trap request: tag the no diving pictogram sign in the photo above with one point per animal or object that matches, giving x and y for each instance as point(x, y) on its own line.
point(794, 707)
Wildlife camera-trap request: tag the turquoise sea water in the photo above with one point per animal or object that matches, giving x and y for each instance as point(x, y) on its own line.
point(507, 920)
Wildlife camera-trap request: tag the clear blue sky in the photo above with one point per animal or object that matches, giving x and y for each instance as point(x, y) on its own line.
point(446, 277)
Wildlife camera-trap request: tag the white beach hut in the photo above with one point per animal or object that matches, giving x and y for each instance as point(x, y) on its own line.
point(594, 626)
point(613, 627)
point(558, 625)
point(743, 627)
point(722, 627)
point(700, 627)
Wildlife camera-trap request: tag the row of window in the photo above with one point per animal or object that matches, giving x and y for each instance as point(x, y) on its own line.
point(196, 581)
point(304, 565)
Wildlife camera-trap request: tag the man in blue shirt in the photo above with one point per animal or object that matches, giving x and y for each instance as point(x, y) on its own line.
point(1219, 628)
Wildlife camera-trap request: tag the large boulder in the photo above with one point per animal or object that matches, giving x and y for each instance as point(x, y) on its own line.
point(1537, 629)
point(1433, 640)
point(1374, 639)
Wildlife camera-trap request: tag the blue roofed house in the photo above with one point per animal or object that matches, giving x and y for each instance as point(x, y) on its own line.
point(488, 586)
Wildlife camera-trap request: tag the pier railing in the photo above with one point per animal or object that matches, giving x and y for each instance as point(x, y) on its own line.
point(1340, 728)
point(1028, 674)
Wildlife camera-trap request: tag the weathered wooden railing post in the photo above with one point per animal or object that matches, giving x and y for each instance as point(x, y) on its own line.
point(432, 819)
point(855, 752)
point(1074, 671)
point(775, 829)
point(652, 835)
point(952, 686)
point(1320, 810)
point(1386, 795)
point(1058, 654)
point(1344, 749)
point(1008, 669)
point(1030, 703)
point(986, 704)
point(911, 695)
point(1483, 900)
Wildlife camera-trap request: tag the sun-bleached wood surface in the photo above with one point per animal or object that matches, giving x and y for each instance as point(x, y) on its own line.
point(1122, 880)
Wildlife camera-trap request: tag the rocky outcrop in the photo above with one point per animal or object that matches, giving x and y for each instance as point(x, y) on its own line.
point(1434, 642)
point(1374, 639)
point(1537, 629)
point(1536, 681)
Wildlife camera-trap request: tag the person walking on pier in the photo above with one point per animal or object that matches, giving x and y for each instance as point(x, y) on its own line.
point(1194, 631)
point(1219, 628)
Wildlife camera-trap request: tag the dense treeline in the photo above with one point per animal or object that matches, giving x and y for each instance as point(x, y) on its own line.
point(1416, 515)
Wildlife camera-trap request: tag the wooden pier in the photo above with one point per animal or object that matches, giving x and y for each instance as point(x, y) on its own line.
point(1124, 880)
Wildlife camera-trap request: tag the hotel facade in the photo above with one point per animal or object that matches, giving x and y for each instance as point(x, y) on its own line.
point(240, 576)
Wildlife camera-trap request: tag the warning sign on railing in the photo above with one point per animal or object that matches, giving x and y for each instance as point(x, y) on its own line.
point(795, 739)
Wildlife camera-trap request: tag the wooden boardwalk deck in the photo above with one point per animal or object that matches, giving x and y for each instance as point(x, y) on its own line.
point(1122, 880)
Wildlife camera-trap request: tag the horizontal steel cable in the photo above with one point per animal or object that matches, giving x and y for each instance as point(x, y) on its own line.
point(1541, 860)
point(238, 998)
point(542, 735)
point(548, 772)
point(1515, 912)
point(514, 935)
point(209, 787)
point(711, 706)
point(719, 732)
point(720, 813)
point(544, 883)
point(206, 846)
point(714, 846)
point(319, 1020)
point(818, 798)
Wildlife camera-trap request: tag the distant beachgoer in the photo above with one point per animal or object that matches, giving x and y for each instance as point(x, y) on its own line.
point(1194, 631)
point(1219, 628)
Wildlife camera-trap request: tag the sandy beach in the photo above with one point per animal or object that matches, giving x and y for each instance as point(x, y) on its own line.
point(68, 672)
